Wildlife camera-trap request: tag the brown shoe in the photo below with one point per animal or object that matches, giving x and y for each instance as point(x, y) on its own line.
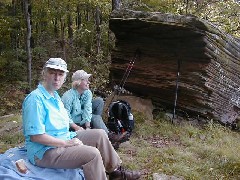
point(122, 174)
point(117, 139)
point(113, 137)
point(115, 145)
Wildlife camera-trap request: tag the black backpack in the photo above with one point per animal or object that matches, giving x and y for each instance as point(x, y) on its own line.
point(120, 118)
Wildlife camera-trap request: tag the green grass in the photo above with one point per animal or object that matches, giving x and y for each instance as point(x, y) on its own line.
point(210, 152)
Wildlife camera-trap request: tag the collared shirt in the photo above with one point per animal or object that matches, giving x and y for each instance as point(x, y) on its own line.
point(44, 114)
point(79, 107)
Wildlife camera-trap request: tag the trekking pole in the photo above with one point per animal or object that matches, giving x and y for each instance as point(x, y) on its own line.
point(128, 70)
point(126, 73)
point(176, 91)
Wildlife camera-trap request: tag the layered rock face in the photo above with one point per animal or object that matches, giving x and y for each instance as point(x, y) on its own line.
point(180, 62)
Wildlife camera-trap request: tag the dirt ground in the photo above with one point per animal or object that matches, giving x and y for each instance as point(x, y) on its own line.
point(10, 132)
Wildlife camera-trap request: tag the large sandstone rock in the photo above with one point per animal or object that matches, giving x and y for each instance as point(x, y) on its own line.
point(206, 58)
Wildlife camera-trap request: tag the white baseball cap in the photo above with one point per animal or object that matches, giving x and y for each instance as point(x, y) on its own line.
point(56, 63)
point(80, 74)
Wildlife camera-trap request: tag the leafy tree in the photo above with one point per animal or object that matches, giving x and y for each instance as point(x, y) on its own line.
point(70, 29)
point(224, 14)
point(12, 40)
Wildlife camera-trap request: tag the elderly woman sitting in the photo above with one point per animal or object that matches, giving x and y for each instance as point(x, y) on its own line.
point(83, 110)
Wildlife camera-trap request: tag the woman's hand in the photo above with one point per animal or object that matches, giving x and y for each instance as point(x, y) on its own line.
point(77, 128)
point(73, 142)
point(52, 141)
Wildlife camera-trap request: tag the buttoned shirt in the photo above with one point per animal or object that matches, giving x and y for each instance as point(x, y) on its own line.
point(79, 106)
point(44, 114)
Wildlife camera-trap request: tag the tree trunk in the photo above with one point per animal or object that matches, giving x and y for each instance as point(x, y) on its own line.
point(28, 39)
point(79, 18)
point(63, 45)
point(116, 4)
point(16, 26)
point(70, 29)
point(187, 4)
point(88, 13)
point(56, 31)
point(98, 22)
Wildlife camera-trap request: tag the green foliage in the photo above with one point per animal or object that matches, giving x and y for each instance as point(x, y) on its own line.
point(17, 68)
point(51, 27)
point(164, 6)
point(224, 14)
point(11, 65)
point(50, 36)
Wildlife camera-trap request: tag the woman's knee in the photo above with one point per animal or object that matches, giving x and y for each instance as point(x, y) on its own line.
point(94, 152)
point(100, 132)
point(97, 122)
point(96, 118)
point(91, 154)
point(97, 106)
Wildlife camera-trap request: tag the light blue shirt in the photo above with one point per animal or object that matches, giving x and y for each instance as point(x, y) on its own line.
point(79, 107)
point(44, 114)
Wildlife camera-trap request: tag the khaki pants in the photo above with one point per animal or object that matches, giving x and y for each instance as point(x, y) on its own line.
point(95, 157)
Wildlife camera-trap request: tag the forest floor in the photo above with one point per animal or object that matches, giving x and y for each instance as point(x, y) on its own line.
point(162, 150)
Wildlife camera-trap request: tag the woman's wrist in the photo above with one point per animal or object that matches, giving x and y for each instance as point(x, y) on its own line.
point(87, 125)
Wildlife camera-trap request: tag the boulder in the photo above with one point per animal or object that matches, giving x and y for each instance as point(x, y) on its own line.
point(180, 62)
